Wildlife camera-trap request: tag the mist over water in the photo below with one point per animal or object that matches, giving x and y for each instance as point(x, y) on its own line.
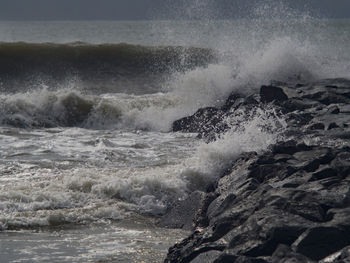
point(88, 140)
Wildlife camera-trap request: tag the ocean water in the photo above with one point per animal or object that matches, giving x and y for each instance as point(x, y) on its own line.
point(88, 162)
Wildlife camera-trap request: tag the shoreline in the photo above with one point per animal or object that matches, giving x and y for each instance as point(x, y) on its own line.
point(291, 202)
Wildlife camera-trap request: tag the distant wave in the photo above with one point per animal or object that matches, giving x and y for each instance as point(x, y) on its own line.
point(90, 62)
point(194, 81)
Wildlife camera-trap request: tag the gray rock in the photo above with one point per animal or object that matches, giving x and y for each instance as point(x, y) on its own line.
point(272, 93)
point(284, 254)
point(291, 203)
point(183, 213)
point(334, 110)
point(342, 256)
point(332, 125)
point(319, 242)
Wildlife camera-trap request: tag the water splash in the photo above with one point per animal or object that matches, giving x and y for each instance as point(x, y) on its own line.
point(251, 131)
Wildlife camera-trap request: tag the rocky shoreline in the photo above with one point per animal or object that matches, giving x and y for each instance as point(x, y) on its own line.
point(289, 204)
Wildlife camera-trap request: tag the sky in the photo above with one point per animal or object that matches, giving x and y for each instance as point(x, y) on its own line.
point(155, 9)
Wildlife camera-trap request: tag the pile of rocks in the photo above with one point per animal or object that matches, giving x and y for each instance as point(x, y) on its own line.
point(290, 204)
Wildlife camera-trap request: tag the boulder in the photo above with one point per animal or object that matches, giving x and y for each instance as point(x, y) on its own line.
point(319, 242)
point(272, 93)
point(290, 203)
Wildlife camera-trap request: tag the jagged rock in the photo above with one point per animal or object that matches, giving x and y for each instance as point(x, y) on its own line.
point(284, 254)
point(327, 98)
point(317, 126)
point(210, 122)
point(271, 93)
point(197, 121)
point(332, 125)
point(289, 147)
point(183, 213)
point(323, 173)
point(227, 258)
point(319, 242)
point(334, 110)
point(295, 104)
point(342, 256)
point(254, 212)
point(207, 257)
point(292, 202)
point(232, 101)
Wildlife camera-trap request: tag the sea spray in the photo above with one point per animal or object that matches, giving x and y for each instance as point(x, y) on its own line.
point(87, 140)
point(250, 131)
point(140, 189)
point(250, 54)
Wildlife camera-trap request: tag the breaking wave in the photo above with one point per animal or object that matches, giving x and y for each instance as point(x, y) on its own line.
point(88, 194)
point(65, 108)
point(143, 87)
point(24, 64)
point(193, 80)
point(171, 82)
point(181, 94)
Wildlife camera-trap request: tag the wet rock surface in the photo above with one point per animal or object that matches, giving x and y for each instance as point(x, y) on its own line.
point(289, 204)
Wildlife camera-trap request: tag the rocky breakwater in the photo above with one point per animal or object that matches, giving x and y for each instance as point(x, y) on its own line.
point(289, 204)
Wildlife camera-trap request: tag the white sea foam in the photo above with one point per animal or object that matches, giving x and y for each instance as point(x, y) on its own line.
point(97, 190)
point(102, 166)
point(41, 197)
point(80, 176)
point(250, 132)
point(276, 44)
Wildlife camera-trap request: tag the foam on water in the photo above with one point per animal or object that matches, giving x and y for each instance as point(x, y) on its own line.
point(104, 167)
point(70, 107)
point(76, 155)
point(59, 176)
point(275, 43)
point(87, 195)
point(86, 185)
point(135, 240)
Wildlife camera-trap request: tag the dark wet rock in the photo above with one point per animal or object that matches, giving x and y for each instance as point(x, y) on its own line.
point(323, 173)
point(227, 258)
point(334, 110)
point(183, 213)
point(197, 121)
point(308, 108)
point(254, 215)
point(210, 122)
point(284, 254)
point(296, 119)
point(341, 163)
point(207, 122)
point(232, 101)
point(294, 104)
point(332, 125)
point(343, 134)
point(272, 93)
point(289, 147)
point(317, 126)
point(311, 160)
point(328, 98)
point(319, 242)
point(209, 256)
point(291, 203)
point(341, 256)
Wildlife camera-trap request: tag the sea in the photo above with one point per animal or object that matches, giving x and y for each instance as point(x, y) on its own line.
point(88, 159)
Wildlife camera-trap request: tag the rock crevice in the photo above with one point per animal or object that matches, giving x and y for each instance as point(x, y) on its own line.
point(289, 204)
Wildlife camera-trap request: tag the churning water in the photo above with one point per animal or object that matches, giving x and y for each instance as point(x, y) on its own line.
point(87, 157)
